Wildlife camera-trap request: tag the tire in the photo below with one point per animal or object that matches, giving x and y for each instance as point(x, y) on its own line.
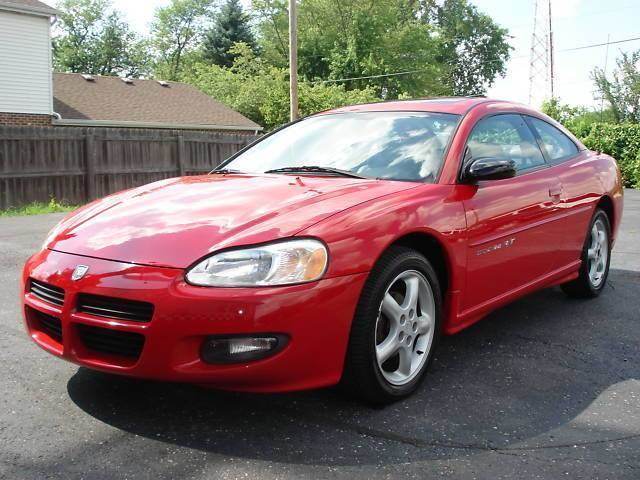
point(588, 284)
point(414, 328)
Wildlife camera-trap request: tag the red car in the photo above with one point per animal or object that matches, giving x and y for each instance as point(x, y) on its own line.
point(335, 250)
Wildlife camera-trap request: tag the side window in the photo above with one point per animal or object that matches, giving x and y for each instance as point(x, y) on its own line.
point(556, 143)
point(505, 137)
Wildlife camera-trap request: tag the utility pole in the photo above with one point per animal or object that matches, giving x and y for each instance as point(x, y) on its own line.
point(551, 65)
point(293, 60)
point(606, 61)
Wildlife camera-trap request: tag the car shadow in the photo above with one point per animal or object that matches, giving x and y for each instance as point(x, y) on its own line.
point(517, 377)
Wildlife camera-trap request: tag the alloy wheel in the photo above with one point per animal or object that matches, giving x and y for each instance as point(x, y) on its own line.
point(598, 253)
point(405, 327)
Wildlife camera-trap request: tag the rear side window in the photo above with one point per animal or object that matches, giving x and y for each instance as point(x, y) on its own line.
point(556, 144)
point(505, 137)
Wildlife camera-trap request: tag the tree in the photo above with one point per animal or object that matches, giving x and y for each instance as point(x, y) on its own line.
point(623, 91)
point(341, 39)
point(472, 46)
point(438, 47)
point(261, 91)
point(231, 26)
point(177, 30)
point(92, 39)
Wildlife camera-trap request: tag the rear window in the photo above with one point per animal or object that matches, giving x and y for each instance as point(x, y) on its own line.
point(556, 144)
point(390, 145)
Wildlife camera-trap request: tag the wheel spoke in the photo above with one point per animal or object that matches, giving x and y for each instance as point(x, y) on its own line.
point(411, 296)
point(602, 238)
point(591, 253)
point(594, 236)
point(424, 324)
point(391, 309)
point(404, 366)
point(388, 347)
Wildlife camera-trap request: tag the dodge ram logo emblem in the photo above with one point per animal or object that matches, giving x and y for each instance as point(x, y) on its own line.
point(79, 272)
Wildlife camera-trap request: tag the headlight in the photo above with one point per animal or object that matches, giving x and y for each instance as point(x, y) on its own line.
point(280, 263)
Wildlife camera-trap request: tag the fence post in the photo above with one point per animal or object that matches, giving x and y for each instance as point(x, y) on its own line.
point(90, 165)
point(180, 156)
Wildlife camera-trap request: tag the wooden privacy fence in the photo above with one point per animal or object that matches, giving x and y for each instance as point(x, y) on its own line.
point(76, 165)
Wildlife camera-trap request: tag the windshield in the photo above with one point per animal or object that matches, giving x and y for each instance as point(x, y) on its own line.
point(391, 145)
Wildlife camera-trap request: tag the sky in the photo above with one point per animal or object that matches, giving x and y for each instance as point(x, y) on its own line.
point(576, 23)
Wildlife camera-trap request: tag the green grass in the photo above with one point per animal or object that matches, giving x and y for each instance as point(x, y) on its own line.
point(37, 208)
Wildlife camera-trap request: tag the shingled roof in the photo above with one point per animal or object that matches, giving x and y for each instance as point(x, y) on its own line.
point(27, 6)
point(112, 101)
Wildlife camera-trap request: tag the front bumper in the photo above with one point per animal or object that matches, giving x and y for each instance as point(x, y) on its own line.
point(316, 317)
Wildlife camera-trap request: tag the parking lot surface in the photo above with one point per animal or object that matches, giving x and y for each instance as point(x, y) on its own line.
point(547, 387)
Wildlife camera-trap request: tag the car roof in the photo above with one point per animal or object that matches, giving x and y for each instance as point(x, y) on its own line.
point(455, 105)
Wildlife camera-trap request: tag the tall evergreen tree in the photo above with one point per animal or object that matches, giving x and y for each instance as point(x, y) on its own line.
point(231, 26)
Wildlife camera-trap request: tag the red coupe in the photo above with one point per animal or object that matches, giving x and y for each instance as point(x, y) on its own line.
point(335, 250)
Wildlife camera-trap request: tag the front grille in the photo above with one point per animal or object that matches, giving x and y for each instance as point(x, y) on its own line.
point(47, 324)
point(113, 342)
point(117, 308)
point(47, 292)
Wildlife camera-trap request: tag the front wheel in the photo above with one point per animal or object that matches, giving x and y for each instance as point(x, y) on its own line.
point(596, 256)
point(395, 328)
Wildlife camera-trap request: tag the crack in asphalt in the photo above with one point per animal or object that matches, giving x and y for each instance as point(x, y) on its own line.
point(421, 443)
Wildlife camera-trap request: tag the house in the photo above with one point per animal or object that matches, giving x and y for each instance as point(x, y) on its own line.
point(31, 95)
point(97, 101)
point(26, 92)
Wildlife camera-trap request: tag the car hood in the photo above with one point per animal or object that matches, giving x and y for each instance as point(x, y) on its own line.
point(175, 222)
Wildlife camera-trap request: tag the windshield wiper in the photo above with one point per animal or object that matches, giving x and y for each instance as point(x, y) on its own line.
point(316, 169)
point(224, 171)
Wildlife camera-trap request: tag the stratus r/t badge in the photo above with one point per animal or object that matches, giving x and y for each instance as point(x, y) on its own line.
point(79, 272)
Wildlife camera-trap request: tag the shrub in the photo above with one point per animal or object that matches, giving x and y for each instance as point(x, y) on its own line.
point(261, 92)
point(621, 141)
point(599, 131)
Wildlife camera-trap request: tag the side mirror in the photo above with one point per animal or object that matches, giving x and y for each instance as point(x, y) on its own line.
point(489, 169)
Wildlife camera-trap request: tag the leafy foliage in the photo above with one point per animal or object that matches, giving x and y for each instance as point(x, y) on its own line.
point(261, 91)
point(231, 26)
point(350, 51)
point(473, 47)
point(623, 91)
point(621, 141)
point(177, 31)
point(598, 131)
point(92, 39)
point(440, 50)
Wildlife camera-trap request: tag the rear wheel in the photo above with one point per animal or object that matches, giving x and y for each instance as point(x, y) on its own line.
point(596, 256)
point(395, 329)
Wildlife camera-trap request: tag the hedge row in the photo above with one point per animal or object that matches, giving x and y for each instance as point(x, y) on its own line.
point(621, 141)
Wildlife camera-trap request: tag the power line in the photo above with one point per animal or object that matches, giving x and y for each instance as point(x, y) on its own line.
point(600, 44)
point(382, 75)
point(411, 72)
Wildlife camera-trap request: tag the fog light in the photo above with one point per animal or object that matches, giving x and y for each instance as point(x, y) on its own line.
point(240, 349)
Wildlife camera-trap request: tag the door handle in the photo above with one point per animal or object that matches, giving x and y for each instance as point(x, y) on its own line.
point(555, 191)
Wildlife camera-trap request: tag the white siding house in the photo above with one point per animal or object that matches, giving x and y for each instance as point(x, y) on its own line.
point(25, 57)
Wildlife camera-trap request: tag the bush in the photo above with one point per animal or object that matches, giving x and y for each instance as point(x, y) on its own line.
point(621, 141)
point(599, 131)
point(261, 92)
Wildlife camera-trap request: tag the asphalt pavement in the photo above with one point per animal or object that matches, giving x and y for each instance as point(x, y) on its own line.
point(545, 388)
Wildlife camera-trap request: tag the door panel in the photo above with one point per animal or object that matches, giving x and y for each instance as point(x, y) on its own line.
point(513, 225)
point(576, 172)
point(513, 230)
